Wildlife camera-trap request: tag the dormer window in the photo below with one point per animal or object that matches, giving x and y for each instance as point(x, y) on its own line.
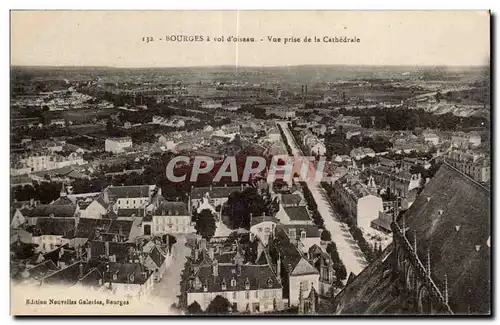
point(223, 285)
point(233, 282)
point(303, 234)
point(115, 276)
point(247, 284)
point(270, 283)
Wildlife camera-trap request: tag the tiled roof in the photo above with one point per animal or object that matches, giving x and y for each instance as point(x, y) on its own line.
point(38, 272)
point(312, 231)
point(135, 191)
point(58, 211)
point(167, 208)
point(127, 273)
point(256, 276)
point(297, 213)
point(455, 200)
point(54, 226)
point(157, 256)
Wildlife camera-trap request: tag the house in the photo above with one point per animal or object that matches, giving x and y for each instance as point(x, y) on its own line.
point(263, 228)
point(431, 137)
point(298, 276)
point(249, 288)
point(168, 218)
point(36, 273)
point(383, 222)
point(49, 233)
point(282, 112)
point(117, 145)
point(324, 264)
point(359, 201)
point(17, 218)
point(359, 153)
point(475, 165)
point(397, 181)
point(303, 236)
point(63, 211)
point(217, 195)
point(408, 163)
point(87, 203)
point(464, 140)
point(157, 261)
point(129, 197)
point(294, 215)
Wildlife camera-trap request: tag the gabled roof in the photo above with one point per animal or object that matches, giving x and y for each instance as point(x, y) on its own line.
point(303, 267)
point(257, 277)
point(157, 256)
point(39, 271)
point(167, 208)
point(46, 210)
point(54, 226)
point(134, 191)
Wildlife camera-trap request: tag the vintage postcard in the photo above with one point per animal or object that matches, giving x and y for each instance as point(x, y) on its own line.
point(250, 163)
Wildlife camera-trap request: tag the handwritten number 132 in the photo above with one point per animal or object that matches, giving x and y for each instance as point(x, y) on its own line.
point(147, 39)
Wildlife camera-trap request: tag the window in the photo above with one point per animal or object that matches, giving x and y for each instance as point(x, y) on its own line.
point(305, 286)
point(233, 281)
point(256, 294)
point(247, 295)
point(259, 229)
point(267, 230)
point(234, 295)
point(302, 234)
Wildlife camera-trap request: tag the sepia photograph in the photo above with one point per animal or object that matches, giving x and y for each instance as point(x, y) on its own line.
point(250, 163)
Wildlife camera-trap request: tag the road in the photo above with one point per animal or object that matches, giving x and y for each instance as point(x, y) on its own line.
point(169, 287)
point(349, 251)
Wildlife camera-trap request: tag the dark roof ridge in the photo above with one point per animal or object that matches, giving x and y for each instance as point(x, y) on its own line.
point(467, 177)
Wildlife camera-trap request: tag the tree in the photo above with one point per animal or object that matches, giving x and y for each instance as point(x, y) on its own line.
point(240, 205)
point(194, 309)
point(326, 235)
point(205, 224)
point(219, 305)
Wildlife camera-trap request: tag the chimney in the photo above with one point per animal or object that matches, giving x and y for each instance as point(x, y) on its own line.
point(215, 268)
point(81, 270)
point(106, 248)
point(196, 254)
point(211, 253)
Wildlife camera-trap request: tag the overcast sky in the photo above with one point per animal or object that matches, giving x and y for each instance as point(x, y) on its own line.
point(114, 38)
